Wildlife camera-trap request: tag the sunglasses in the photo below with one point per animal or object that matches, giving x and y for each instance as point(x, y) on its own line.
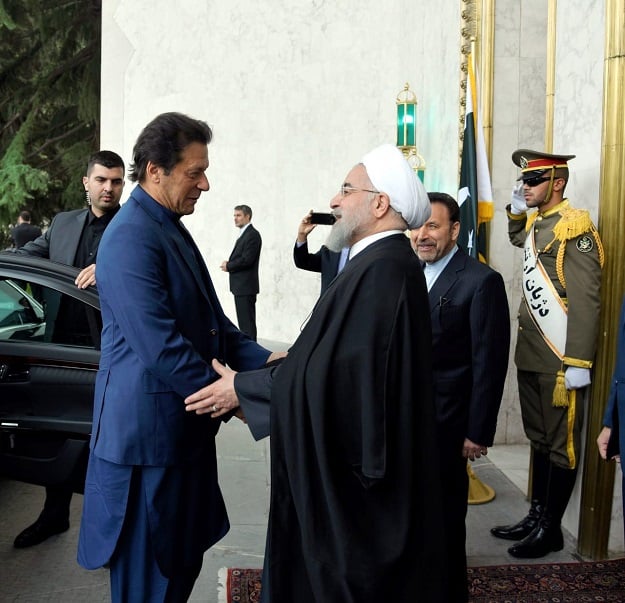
point(535, 181)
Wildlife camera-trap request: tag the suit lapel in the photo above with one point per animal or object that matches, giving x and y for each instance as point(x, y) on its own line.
point(239, 240)
point(184, 244)
point(447, 279)
point(190, 253)
point(72, 236)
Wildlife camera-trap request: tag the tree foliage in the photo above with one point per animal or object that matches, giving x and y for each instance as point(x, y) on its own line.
point(49, 104)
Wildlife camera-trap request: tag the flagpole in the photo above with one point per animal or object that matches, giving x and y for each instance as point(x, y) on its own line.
point(550, 91)
point(486, 68)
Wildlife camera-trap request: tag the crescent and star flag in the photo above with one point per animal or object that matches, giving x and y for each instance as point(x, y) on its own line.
point(475, 196)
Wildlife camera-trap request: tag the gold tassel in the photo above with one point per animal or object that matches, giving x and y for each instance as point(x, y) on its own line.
point(574, 222)
point(560, 397)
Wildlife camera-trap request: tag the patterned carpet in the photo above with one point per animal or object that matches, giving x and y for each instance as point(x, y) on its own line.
point(586, 582)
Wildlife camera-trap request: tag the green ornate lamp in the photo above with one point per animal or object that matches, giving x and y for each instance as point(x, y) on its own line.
point(407, 130)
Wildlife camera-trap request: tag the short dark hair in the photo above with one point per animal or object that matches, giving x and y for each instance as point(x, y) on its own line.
point(106, 158)
point(449, 202)
point(25, 215)
point(163, 140)
point(246, 209)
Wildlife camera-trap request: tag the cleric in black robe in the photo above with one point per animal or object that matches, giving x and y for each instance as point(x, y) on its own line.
point(356, 513)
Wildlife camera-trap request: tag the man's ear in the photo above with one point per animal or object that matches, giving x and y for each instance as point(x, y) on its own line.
point(381, 204)
point(153, 172)
point(455, 231)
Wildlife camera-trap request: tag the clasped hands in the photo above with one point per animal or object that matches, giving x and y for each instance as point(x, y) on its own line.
point(219, 397)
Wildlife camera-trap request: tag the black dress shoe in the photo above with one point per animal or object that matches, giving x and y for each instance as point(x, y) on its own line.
point(38, 532)
point(520, 530)
point(545, 539)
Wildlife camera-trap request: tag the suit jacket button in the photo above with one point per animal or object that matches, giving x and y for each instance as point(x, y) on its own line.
point(213, 331)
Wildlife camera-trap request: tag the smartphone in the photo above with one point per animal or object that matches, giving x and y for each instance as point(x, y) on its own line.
point(321, 218)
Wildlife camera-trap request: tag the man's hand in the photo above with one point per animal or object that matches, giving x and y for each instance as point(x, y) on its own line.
point(602, 443)
point(86, 277)
point(576, 378)
point(224, 266)
point(218, 398)
point(305, 228)
point(517, 200)
point(472, 451)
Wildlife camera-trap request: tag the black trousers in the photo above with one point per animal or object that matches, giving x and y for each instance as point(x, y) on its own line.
point(56, 506)
point(246, 314)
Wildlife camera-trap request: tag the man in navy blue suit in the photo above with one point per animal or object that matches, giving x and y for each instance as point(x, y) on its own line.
point(470, 346)
point(152, 502)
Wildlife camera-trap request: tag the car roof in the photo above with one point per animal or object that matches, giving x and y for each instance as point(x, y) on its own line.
point(46, 272)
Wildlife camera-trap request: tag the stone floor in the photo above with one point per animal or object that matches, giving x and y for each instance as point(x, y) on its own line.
point(49, 571)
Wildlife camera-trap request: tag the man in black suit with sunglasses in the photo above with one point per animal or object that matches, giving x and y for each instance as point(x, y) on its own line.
point(556, 340)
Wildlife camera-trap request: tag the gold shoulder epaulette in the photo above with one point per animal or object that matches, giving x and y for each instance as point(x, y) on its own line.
point(572, 224)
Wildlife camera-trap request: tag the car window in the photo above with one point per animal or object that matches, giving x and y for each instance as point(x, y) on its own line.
point(37, 313)
point(18, 310)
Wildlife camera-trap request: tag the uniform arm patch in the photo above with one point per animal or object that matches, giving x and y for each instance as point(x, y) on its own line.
point(585, 244)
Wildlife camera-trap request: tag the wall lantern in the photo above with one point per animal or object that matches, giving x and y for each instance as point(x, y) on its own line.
point(407, 130)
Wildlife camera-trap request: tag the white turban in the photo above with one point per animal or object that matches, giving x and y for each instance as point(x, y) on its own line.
point(390, 173)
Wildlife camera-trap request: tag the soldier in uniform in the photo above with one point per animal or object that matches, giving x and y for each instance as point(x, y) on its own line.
point(558, 326)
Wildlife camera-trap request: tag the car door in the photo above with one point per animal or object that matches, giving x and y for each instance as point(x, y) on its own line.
point(49, 355)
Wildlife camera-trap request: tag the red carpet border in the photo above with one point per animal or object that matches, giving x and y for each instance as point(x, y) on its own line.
point(585, 582)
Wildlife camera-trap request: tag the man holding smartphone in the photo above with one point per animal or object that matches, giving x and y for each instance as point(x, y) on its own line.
point(328, 263)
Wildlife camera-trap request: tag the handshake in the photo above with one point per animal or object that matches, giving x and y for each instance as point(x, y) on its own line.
point(517, 201)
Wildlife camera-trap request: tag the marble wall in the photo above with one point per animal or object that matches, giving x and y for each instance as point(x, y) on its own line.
point(518, 122)
point(296, 91)
point(578, 117)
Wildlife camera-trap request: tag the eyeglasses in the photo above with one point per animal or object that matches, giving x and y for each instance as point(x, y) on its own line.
point(535, 181)
point(348, 190)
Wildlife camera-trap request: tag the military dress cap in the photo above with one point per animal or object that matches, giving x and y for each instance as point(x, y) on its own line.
point(535, 163)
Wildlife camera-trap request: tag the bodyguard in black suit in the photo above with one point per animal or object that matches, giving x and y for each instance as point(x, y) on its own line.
point(24, 231)
point(243, 268)
point(73, 238)
point(470, 345)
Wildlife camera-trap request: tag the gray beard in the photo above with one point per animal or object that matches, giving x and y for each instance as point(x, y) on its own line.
point(347, 226)
point(340, 235)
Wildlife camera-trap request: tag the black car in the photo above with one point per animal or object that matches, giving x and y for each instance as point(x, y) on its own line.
point(49, 356)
